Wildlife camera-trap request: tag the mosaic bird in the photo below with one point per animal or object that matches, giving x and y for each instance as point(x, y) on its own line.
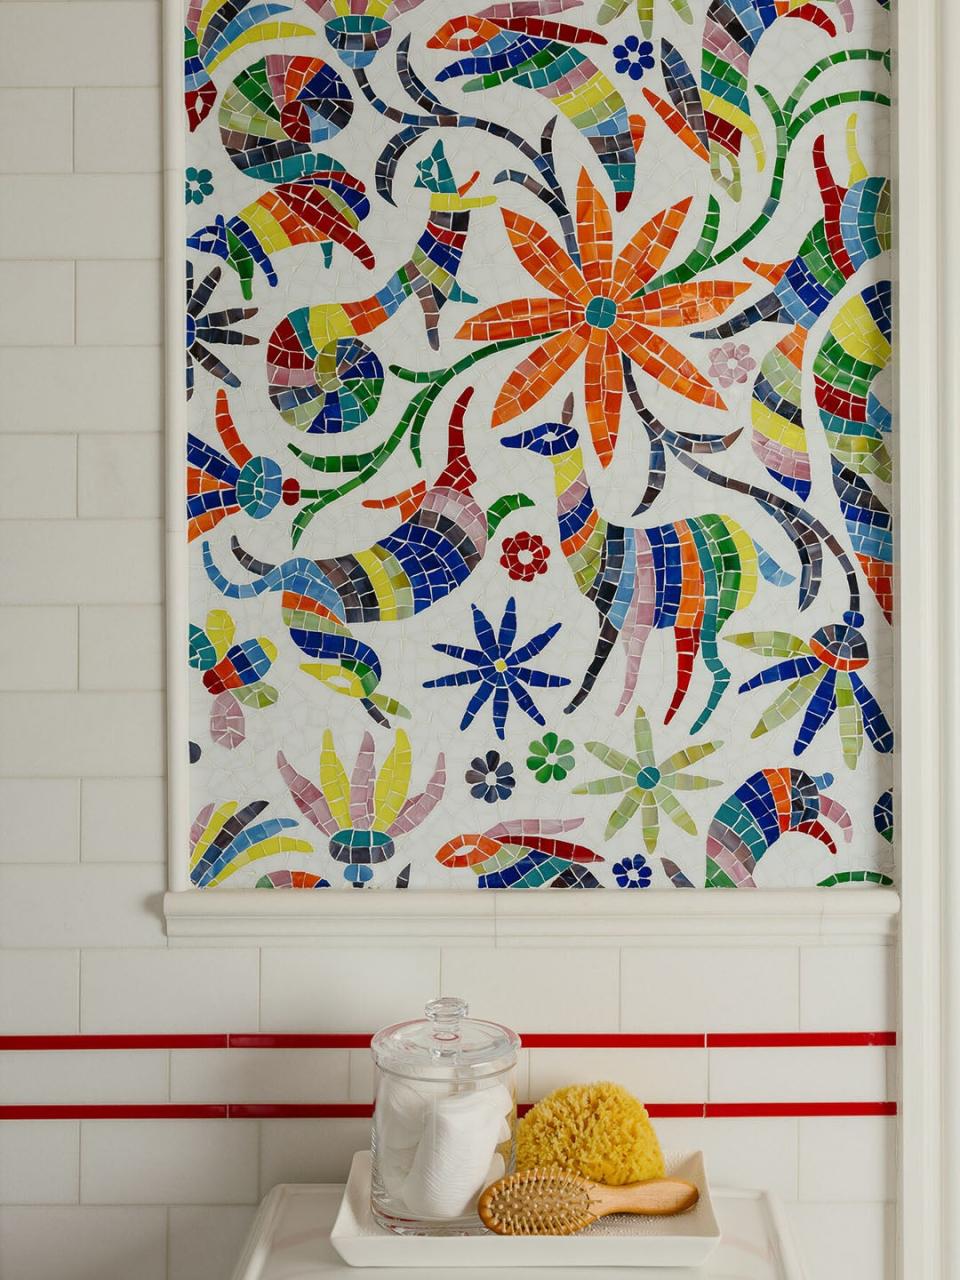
point(855, 229)
point(214, 30)
point(305, 341)
point(277, 110)
point(713, 118)
point(690, 576)
point(515, 43)
point(222, 841)
point(523, 854)
point(364, 815)
point(222, 484)
point(325, 207)
point(770, 804)
point(232, 673)
point(441, 541)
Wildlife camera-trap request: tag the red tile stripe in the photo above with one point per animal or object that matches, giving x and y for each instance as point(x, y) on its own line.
point(799, 1039)
point(713, 1110)
point(561, 1040)
point(54, 1044)
point(363, 1111)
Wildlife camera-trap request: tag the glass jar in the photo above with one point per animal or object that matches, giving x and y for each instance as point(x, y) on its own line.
point(444, 1124)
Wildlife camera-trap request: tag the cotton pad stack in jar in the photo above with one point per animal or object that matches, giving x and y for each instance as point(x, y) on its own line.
point(444, 1121)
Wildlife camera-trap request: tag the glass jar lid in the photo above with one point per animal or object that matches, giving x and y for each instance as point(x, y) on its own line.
point(445, 1044)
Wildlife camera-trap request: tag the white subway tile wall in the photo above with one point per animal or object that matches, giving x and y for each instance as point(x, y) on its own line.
point(81, 804)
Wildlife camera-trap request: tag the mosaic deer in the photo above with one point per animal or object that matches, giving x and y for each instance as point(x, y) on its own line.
point(690, 576)
point(441, 541)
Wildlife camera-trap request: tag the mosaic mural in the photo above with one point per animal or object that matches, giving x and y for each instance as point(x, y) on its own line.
point(539, 460)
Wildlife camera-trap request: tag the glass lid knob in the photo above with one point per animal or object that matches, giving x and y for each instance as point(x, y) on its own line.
point(445, 1014)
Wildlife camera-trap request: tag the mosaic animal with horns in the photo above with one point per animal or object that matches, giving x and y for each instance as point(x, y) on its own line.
point(690, 576)
point(516, 43)
point(855, 228)
point(441, 541)
point(713, 117)
point(770, 804)
point(305, 342)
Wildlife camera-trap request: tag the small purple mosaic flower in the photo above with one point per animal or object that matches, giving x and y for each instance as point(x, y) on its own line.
point(634, 57)
point(731, 362)
point(633, 873)
point(198, 185)
point(491, 778)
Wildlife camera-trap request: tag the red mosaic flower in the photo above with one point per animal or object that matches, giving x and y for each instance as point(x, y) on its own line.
point(524, 556)
point(593, 311)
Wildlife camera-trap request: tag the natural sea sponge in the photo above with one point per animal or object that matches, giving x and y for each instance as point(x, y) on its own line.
point(597, 1130)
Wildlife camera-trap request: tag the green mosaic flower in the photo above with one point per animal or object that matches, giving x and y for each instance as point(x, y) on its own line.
point(552, 759)
point(646, 785)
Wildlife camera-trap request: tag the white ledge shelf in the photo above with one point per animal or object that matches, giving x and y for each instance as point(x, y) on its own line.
point(685, 917)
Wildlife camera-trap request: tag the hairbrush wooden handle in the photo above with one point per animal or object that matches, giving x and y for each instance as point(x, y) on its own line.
point(659, 1197)
point(556, 1202)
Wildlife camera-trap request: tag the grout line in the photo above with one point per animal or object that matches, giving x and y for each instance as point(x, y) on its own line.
point(79, 985)
point(619, 988)
point(259, 989)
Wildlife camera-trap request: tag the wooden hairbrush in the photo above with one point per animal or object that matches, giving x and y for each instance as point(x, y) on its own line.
point(554, 1202)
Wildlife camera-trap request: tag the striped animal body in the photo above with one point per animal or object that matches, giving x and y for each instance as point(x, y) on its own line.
point(514, 43)
point(220, 484)
point(854, 229)
point(770, 804)
point(855, 350)
point(690, 576)
point(441, 541)
point(324, 207)
point(214, 30)
point(305, 341)
point(523, 854)
point(713, 117)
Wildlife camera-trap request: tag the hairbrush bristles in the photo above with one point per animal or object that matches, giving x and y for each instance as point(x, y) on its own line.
point(538, 1202)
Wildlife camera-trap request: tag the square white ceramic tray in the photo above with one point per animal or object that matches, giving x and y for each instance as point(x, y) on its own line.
point(622, 1240)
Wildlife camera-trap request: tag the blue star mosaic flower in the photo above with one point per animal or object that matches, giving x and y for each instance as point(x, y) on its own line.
point(633, 57)
point(498, 669)
point(633, 873)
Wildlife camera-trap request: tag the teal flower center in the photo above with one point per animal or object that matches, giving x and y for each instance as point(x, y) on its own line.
point(601, 312)
point(648, 778)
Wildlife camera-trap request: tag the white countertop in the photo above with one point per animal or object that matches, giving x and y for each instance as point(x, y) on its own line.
point(289, 1240)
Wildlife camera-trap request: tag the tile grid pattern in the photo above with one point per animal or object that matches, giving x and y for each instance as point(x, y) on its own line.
point(80, 789)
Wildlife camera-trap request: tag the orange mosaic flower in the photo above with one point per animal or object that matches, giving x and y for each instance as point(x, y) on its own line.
point(592, 313)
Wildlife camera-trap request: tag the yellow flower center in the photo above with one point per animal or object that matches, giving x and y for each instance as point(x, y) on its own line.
point(499, 665)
